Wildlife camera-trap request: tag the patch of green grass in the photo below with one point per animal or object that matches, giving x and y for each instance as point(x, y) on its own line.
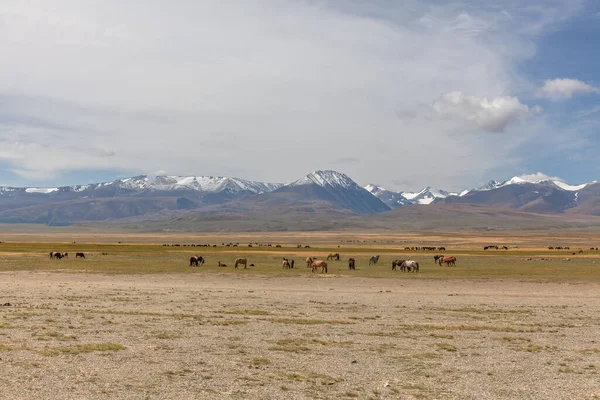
point(164, 335)
point(82, 348)
point(446, 346)
point(260, 361)
point(305, 321)
point(246, 312)
point(291, 345)
point(228, 322)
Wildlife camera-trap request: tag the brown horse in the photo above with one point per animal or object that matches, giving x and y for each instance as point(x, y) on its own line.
point(309, 262)
point(58, 255)
point(450, 260)
point(221, 264)
point(319, 264)
point(285, 263)
point(397, 263)
point(351, 263)
point(79, 255)
point(242, 261)
point(331, 256)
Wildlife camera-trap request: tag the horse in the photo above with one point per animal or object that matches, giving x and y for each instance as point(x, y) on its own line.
point(451, 260)
point(64, 255)
point(309, 262)
point(291, 264)
point(221, 264)
point(57, 255)
point(408, 265)
point(373, 260)
point(195, 260)
point(331, 256)
point(319, 263)
point(242, 261)
point(79, 255)
point(351, 263)
point(397, 263)
point(285, 263)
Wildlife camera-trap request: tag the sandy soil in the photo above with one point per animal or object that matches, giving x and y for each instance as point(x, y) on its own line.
point(91, 336)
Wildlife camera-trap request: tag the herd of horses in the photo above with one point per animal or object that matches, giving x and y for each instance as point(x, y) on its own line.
point(56, 255)
point(312, 263)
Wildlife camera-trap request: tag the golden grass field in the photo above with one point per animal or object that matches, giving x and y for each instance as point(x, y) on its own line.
point(133, 320)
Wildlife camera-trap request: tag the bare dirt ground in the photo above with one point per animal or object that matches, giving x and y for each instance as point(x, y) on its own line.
point(207, 336)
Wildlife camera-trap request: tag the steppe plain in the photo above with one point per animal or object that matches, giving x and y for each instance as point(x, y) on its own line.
point(133, 321)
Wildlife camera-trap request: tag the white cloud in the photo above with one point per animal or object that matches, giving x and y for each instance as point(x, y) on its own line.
point(262, 90)
point(565, 88)
point(492, 115)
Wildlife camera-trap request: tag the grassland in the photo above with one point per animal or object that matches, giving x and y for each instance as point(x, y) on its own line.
point(133, 320)
point(522, 261)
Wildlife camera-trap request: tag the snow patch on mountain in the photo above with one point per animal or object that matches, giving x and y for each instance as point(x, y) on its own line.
point(326, 178)
point(543, 178)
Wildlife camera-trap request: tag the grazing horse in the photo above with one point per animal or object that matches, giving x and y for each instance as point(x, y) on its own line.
point(331, 256)
point(196, 260)
point(285, 263)
point(242, 261)
point(373, 260)
point(57, 255)
point(451, 260)
point(351, 263)
point(319, 263)
point(397, 263)
point(410, 265)
point(79, 255)
point(309, 262)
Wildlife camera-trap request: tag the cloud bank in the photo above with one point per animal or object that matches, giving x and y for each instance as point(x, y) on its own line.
point(265, 89)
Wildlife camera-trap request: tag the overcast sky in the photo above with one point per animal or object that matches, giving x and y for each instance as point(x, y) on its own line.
point(401, 94)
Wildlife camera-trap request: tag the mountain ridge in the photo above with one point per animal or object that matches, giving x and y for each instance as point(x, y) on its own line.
point(321, 192)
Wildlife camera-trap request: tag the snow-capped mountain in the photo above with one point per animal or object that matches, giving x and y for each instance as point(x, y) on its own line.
point(541, 178)
point(389, 198)
point(426, 196)
point(337, 188)
point(136, 184)
point(327, 190)
point(399, 199)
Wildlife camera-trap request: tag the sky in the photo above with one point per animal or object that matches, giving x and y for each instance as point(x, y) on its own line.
point(401, 94)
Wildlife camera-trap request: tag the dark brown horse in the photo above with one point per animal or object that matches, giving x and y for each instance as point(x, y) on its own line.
point(351, 263)
point(397, 263)
point(374, 260)
point(242, 261)
point(79, 255)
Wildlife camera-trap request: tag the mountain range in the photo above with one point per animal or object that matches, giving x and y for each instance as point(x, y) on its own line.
point(319, 196)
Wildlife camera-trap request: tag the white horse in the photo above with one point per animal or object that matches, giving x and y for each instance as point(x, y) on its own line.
point(410, 265)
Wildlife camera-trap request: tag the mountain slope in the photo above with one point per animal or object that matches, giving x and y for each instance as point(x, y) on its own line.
point(337, 189)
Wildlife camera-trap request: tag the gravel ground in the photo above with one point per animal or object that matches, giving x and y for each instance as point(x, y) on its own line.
point(170, 336)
